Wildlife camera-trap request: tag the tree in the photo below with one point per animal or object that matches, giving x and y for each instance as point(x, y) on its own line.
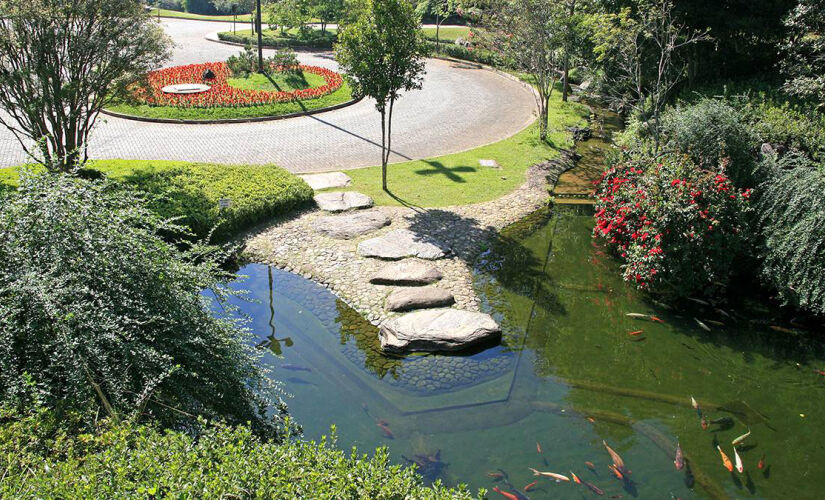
point(62, 61)
point(441, 10)
point(327, 11)
point(530, 36)
point(382, 54)
point(804, 64)
point(234, 7)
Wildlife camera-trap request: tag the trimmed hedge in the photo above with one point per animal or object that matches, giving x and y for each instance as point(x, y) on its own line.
point(315, 39)
point(460, 52)
point(192, 191)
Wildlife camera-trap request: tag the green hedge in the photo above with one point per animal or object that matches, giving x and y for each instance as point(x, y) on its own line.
point(192, 191)
point(460, 52)
point(311, 39)
point(138, 461)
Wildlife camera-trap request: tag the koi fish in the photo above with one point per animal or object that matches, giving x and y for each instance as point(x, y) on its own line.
point(595, 489)
point(699, 301)
point(761, 464)
point(617, 460)
point(616, 472)
point(657, 319)
point(739, 467)
point(591, 420)
point(780, 329)
point(722, 420)
point(538, 447)
point(530, 486)
point(496, 475)
point(701, 325)
point(575, 478)
point(296, 368)
point(508, 496)
point(386, 430)
point(820, 372)
point(557, 477)
point(723, 313)
point(740, 438)
point(679, 460)
point(725, 460)
point(590, 466)
point(704, 424)
point(637, 332)
point(637, 315)
point(715, 323)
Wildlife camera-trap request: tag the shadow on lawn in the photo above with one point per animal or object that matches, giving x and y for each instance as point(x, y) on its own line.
point(451, 173)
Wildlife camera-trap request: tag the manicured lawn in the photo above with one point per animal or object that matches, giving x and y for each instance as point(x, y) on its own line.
point(279, 81)
point(447, 34)
point(192, 191)
point(282, 108)
point(199, 17)
point(458, 178)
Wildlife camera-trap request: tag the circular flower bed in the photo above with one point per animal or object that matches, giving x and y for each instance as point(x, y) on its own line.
point(223, 95)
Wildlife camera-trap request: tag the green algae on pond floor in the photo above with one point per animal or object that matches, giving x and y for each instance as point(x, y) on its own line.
point(568, 377)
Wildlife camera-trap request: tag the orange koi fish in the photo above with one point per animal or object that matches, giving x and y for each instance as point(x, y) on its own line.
point(530, 486)
point(637, 332)
point(595, 489)
point(575, 478)
point(657, 319)
point(553, 475)
point(704, 424)
point(617, 460)
point(386, 430)
point(679, 461)
point(508, 496)
point(616, 472)
point(538, 447)
point(590, 466)
point(725, 460)
point(761, 464)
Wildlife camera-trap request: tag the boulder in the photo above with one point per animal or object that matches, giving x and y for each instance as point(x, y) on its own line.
point(402, 243)
point(438, 330)
point(339, 201)
point(347, 226)
point(405, 299)
point(327, 180)
point(406, 272)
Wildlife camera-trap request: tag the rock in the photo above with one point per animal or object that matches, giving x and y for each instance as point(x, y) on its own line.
point(407, 272)
point(339, 201)
point(327, 180)
point(767, 149)
point(347, 226)
point(402, 243)
point(437, 330)
point(405, 299)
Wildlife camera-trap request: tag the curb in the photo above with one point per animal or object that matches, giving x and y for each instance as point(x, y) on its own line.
point(230, 120)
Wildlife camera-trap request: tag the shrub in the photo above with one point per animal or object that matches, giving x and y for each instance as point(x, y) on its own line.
point(308, 38)
point(792, 223)
point(138, 461)
point(786, 126)
point(283, 60)
point(677, 228)
point(711, 129)
point(100, 314)
point(473, 54)
point(243, 63)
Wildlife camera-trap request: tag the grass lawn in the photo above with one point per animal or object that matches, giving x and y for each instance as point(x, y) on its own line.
point(199, 17)
point(447, 34)
point(279, 81)
point(340, 96)
point(458, 178)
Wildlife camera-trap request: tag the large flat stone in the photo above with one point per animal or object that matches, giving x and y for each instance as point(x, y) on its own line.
point(406, 299)
point(327, 180)
point(406, 272)
point(400, 244)
point(438, 330)
point(347, 226)
point(339, 201)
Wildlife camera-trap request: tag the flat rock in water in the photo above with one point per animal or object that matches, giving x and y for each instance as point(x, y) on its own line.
point(340, 201)
point(406, 272)
point(327, 180)
point(402, 243)
point(405, 299)
point(438, 330)
point(347, 226)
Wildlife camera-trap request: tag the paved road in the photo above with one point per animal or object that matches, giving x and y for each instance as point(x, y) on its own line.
point(457, 109)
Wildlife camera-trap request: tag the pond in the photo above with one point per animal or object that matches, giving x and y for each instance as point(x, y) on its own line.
point(566, 377)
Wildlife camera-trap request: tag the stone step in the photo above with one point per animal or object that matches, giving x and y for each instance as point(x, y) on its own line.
point(326, 180)
point(400, 244)
point(434, 330)
point(407, 299)
point(351, 225)
point(341, 201)
point(406, 273)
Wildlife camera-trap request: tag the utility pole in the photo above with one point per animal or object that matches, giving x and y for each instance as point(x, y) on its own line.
point(260, 40)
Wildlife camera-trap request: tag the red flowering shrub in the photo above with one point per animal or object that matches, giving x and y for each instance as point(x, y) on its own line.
point(676, 227)
point(222, 94)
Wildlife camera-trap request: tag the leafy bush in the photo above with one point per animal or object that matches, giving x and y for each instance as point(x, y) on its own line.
point(711, 129)
point(677, 228)
point(192, 191)
point(98, 313)
point(304, 38)
point(792, 224)
point(138, 461)
point(283, 60)
point(787, 126)
point(473, 54)
point(243, 63)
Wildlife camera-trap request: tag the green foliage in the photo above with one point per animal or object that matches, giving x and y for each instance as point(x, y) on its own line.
point(243, 63)
point(310, 38)
point(101, 315)
point(804, 50)
point(788, 126)
point(792, 223)
point(128, 461)
point(199, 7)
point(471, 53)
point(709, 130)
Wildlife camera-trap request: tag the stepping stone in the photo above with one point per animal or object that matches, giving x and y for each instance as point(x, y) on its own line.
point(438, 330)
point(405, 299)
point(408, 273)
point(402, 243)
point(327, 180)
point(348, 226)
point(340, 201)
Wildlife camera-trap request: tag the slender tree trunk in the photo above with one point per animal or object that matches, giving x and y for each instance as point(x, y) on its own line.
point(260, 40)
point(565, 77)
point(437, 39)
point(383, 148)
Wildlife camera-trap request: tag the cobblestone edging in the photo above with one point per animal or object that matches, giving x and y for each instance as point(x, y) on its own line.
point(468, 229)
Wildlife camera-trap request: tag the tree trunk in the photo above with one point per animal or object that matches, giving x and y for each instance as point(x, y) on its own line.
point(565, 76)
point(543, 117)
point(383, 148)
point(260, 40)
point(437, 39)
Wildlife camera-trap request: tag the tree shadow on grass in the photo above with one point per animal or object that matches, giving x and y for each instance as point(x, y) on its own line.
point(450, 173)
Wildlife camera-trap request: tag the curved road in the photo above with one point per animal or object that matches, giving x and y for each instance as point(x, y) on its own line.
point(457, 109)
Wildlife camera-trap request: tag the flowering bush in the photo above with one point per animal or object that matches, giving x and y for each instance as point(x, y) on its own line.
point(222, 94)
point(677, 228)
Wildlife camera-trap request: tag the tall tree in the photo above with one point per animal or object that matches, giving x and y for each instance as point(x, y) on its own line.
point(234, 7)
point(530, 36)
point(62, 61)
point(327, 11)
point(441, 10)
point(804, 64)
point(382, 54)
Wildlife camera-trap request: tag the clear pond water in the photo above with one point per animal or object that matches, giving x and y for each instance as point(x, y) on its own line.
point(567, 376)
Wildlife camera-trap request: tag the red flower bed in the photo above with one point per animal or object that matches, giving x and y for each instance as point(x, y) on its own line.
point(222, 95)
